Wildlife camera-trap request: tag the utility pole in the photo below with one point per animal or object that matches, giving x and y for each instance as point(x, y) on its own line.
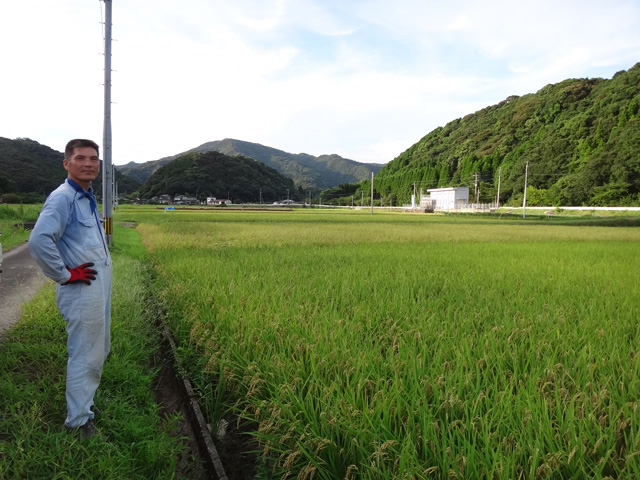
point(498, 194)
point(107, 172)
point(413, 199)
point(475, 186)
point(371, 193)
point(524, 200)
point(260, 196)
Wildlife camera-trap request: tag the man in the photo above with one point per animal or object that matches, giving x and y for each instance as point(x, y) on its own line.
point(68, 243)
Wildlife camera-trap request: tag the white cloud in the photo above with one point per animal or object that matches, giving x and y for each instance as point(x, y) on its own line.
point(361, 78)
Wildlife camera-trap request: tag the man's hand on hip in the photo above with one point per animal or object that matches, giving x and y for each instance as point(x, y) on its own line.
point(81, 274)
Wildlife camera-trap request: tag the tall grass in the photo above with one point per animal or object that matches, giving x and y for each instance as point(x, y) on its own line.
point(406, 346)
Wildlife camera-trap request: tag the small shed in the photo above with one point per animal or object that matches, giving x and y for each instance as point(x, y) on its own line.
point(450, 198)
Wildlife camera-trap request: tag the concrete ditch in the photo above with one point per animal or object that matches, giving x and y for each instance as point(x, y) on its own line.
point(195, 417)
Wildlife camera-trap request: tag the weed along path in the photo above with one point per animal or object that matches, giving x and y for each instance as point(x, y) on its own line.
point(21, 280)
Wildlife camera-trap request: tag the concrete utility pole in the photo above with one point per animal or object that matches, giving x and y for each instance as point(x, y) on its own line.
point(371, 193)
point(115, 187)
point(413, 197)
point(475, 185)
point(498, 194)
point(107, 170)
point(524, 200)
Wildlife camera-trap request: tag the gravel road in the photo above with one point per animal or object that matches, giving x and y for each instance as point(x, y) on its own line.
point(21, 280)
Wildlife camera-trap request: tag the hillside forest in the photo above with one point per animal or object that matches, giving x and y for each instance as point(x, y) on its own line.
point(213, 174)
point(30, 171)
point(580, 138)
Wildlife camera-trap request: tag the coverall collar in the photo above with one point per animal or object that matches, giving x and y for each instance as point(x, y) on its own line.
point(85, 193)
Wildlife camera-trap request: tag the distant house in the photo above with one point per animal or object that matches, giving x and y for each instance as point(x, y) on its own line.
point(216, 201)
point(451, 198)
point(182, 200)
point(162, 199)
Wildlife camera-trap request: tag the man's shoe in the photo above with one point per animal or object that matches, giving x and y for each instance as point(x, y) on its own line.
point(96, 411)
point(88, 430)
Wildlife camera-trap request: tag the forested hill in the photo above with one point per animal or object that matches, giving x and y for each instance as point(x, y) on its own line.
point(307, 171)
point(580, 137)
point(29, 171)
point(217, 175)
point(29, 167)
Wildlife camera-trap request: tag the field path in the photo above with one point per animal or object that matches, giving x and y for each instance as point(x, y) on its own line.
point(21, 280)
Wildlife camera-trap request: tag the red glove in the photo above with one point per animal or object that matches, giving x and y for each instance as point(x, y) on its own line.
point(81, 274)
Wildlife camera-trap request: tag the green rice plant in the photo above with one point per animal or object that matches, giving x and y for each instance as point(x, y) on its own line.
point(411, 346)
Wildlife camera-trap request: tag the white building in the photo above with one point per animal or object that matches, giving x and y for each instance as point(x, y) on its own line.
point(451, 198)
point(216, 201)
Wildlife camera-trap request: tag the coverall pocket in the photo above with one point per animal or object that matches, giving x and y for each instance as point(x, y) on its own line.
point(92, 240)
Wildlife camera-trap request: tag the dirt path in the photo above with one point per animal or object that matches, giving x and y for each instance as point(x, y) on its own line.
point(21, 280)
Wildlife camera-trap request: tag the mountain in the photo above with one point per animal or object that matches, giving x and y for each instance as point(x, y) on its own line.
point(307, 171)
point(142, 171)
point(30, 171)
point(29, 167)
point(580, 139)
point(213, 174)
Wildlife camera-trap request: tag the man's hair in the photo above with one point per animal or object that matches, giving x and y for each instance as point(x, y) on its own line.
point(79, 142)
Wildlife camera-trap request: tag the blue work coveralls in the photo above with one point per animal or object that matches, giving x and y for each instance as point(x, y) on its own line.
point(68, 233)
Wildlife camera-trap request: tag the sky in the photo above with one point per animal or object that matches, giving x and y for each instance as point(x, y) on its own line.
point(364, 79)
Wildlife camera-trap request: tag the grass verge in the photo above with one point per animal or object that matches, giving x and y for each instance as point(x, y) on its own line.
point(140, 443)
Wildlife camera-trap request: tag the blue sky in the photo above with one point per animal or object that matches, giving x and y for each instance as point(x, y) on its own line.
point(364, 79)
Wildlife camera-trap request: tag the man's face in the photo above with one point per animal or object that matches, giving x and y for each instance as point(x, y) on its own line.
point(83, 166)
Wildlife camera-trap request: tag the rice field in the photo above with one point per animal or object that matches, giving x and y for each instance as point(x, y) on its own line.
point(410, 346)
point(12, 223)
